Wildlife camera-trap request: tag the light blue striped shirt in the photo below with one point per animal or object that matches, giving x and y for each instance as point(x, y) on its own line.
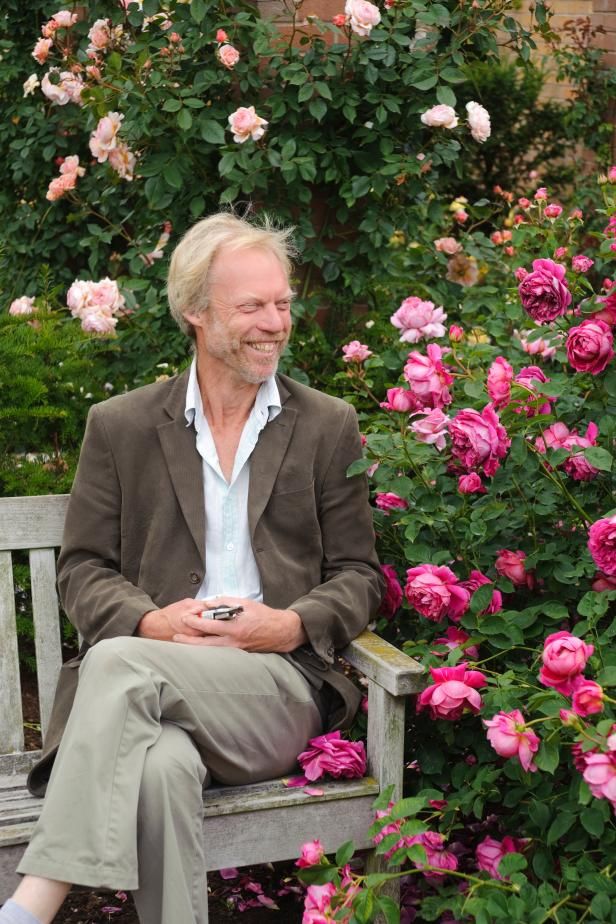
point(230, 565)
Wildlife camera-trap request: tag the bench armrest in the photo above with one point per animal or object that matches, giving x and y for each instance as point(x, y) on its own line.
point(385, 664)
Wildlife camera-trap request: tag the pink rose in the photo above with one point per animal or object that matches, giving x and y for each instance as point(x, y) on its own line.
point(103, 139)
point(392, 599)
point(221, 36)
point(400, 399)
point(478, 440)
point(511, 566)
point(58, 93)
point(317, 903)
point(541, 194)
point(479, 122)
point(432, 428)
point(433, 843)
point(41, 50)
point(535, 347)
point(608, 311)
point(333, 755)
point(471, 484)
point(311, 854)
point(70, 164)
point(390, 501)
point(428, 377)
point(100, 35)
point(603, 583)
point(510, 737)
point(64, 19)
point(553, 210)
point(453, 693)
point(611, 175)
point(461, 216)
point(418, 319)
point(544, 293)
point(587, 697)
point(521, 273)
point(448, 245)
point(590, 346)
point(339, 20)
point(564, 658)
point(523, 202)
point(476, 580)
point(362, 16)
point(228, 55)
point(490, 852)
point(245, 124)
point(355, 352)
point(600, 774)
point(581, 264)
point(500, 376)
point(602, 544)
point(535, 402)
point(577, 465)
point(440, 117)
point(456, 333)
point(93, 323)
point(554, 437)
point(122, 160)
point(454, 638)
point(434, 591)
point(86, 297)
point(560, 252)
point(21, 306)
point(59, 185)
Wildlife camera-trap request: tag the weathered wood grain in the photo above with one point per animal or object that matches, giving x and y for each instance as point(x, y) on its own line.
point(32, 522)
point(385, 664)
point(47, 640)
point(11, 717)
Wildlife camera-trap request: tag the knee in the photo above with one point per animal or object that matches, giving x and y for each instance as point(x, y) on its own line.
point(173, 765)
point(107, 655)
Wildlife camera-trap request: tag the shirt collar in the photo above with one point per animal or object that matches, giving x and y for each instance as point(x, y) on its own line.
point(267, 403)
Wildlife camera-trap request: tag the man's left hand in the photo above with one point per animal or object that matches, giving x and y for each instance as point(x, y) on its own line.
point(257, 628)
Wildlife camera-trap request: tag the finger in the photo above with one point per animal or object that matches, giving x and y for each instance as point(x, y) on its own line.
point(208, 626)
point(210, 640)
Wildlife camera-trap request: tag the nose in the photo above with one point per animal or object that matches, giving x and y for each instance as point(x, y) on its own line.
point(274, 319)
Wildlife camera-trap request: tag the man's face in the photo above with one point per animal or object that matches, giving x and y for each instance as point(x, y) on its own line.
point(247, 323)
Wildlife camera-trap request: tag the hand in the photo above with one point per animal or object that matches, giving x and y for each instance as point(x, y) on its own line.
point(167, 622)
point(257, 628)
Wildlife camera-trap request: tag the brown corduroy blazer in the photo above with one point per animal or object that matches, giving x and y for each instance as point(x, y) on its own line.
point(134, 538)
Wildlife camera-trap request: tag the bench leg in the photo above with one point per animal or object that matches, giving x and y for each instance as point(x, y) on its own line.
point(9, 880)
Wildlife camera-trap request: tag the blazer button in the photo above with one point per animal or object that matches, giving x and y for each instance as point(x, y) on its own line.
point(194, 578)
point(330, 651)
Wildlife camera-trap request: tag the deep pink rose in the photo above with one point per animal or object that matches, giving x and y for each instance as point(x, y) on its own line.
point(564, 658)
point(602, 544)
point(511, 566)
point(608, 311)
point(317, 904)
point(418, 320)
point(476, 580)
point(435, 592)
point(393, 592)
point(390, 501)
point(603, 583)
point(544, 293)
point(600, 774)
point(453, 693)
point(428, 377)
point(536, 347)
point(587, 697)
point(471, 484)
point(590, 346)
point(490, 852)
point(431, 428)
point(541, 194)
point(311, 854)
point(433, 843)
point(478, 441)
point(500, 376)
point(535, 401)
point(400, 399)
point(509, 736)
point(455, 637)
point(355, 352)
point(456, 333)
point(577, 465)
point(581, 264)
point(333, 755)
point(554, 437)
point(221, 36)
point(553, 210)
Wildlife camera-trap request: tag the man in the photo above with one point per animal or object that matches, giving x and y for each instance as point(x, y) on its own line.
point(223, 486)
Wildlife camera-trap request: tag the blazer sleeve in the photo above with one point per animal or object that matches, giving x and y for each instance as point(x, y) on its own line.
point(352, 587)
point(99, 601)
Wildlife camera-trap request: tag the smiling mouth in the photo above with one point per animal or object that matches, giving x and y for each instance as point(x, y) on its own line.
point(267, 347)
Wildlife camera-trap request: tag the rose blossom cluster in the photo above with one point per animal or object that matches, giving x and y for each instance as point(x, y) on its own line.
point(490, 852)
point(590, 346)
point(333, 755)
point(63, 19)
point(418, 319)
point(443, 116)
point(602, 544)
point(355, 352)
point(67, 89)
point(97, 304)
point(558, 436)
point(245, 124)
point(564, 659)
point(433, 843)
point(478, 440)
point(22, 306)
point(544, 292)
point(69, 171)
point(435, 592)
point(428, 377)
point(453, 692)
point(361, 16)
point(599, 769)
point(106, 146)
point(510, 737)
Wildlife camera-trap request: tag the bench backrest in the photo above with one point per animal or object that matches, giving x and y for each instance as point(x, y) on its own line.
point(34, 524)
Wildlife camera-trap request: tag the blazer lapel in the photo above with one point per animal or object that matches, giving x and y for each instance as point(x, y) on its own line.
point(266, 459)
point(184, 462)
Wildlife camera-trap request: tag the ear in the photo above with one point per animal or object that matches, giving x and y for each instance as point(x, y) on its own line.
point(193, 318)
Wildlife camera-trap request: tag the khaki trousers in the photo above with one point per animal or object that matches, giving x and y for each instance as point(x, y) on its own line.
point(151, 723)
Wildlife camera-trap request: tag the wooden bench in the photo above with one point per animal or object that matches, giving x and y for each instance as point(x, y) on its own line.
point(234, 835)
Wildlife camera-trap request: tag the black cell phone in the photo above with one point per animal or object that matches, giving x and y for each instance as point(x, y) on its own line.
point(222, 612)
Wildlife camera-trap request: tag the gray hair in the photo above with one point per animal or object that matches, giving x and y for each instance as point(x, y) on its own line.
point(188, 278)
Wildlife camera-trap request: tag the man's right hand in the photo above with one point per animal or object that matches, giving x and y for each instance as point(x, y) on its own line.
point(167, 622)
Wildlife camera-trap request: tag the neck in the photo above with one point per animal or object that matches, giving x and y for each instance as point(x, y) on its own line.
point(227, 400)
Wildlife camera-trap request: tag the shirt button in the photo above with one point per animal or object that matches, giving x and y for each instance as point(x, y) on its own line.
point(194, 578)
point(230, 546)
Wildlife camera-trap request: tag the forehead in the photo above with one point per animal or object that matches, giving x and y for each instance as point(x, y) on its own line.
point(247, 268)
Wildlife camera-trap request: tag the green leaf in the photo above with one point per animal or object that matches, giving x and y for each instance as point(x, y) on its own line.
point(358, 467)
point(446, 96)
point(198, 10)
point(305, 93)
point(323, 90)
point(344, 853)
point(482, 598)
point(607, 677)
point(212, 131)
point(363, 906)
point(409, 806)
point(184, 120)
point(426, 84)
point(172, 105)
point(592, 821)
point(317, 109)
point(600, 458)
point(194, 103)
point(512, 863)
point(560, 826)
point(389, 909)
point(548, 757)
point(360, 186)
point(288, 149)
point(601, 906)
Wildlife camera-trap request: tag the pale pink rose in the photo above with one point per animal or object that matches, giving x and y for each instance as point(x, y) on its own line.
point(541, 194)
point(245, 124)
point(362, 16)
point(428, 377)
point(228, 55)
point(311, 854)
point(471, 484)
point(70, 164)
point(490, 852)
point(600, 774)
point(536, 347)
point(60, 185)
point(100, 35)
point(576, 214)
point(435, 592)
point(31, 84)
point(511, 566)
point(355, 352)
point(400, 399)
point(448, 245)
point(432, 428)
point(221, 36)
point(87, 297)
point(523, 202)
point(456, 333)
point(58, 93)
point(453, 693)
point(603, 583)
point(454, 638)
point(392, 598)
point(64, 19)
point(333, 755)
point(553, 210)
point(93, 72)
point(22, 306)
point(590, 346)
point(418, 319)
point(461, 216)
point(587, 697)
point(554, 437)
point(581, 264)
point(41, 50)
point(476, 580)
point(93, 323)
point(478, 441)
point(479, 121)
point(564, 658)
point(500, 376)
point(510, 737)
point(122, 160)
point(544, 293)
point(104, 137)
point(602, 544)
point(390, 501)
point(317, 904)
point(440, 117)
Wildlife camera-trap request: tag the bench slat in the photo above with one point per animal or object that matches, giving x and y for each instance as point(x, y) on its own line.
point(11, 716)
point(382, 662)
point(229, 800)
point(47, 640)
point(32, 522)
